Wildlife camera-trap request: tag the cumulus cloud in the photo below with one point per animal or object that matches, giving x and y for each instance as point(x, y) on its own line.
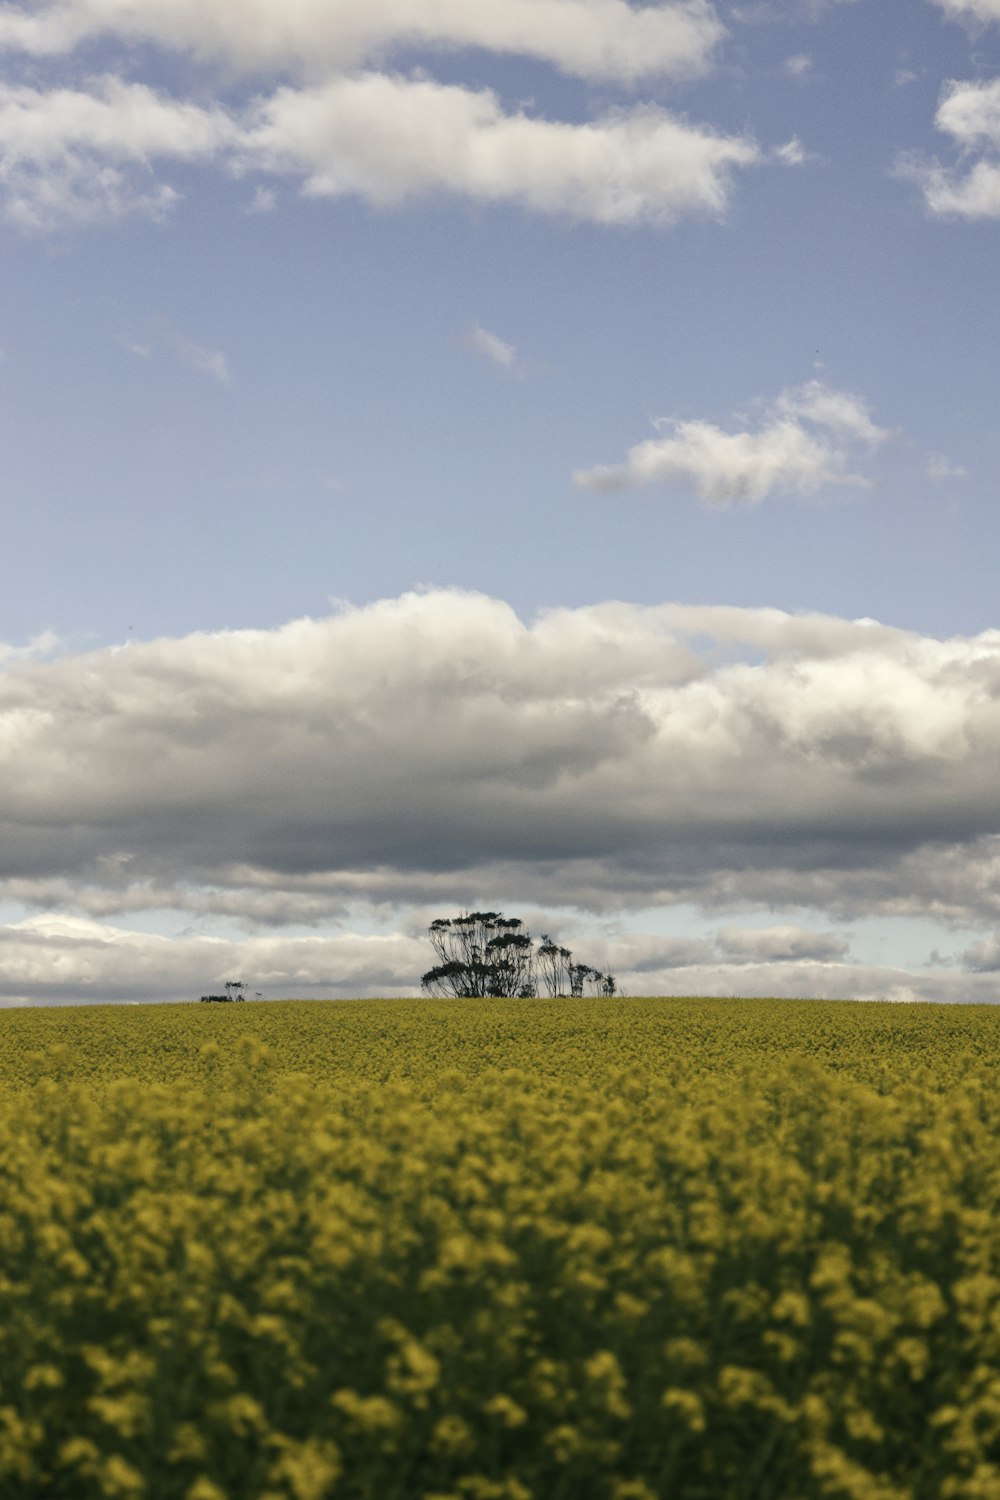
point(970, 113)
point(389, 138)
point(71, 155)
point(599, 39)
point(437, 749)
point(806, 441)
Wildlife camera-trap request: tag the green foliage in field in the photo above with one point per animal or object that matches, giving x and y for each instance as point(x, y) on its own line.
point(592, 1250)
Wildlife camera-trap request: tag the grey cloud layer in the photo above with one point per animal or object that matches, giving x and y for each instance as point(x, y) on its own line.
point(436, 748)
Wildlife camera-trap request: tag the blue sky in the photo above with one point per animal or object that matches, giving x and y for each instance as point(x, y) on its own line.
point(581, 371)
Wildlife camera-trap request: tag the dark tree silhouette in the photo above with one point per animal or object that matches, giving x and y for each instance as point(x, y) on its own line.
point(234, 991)
point(483, 954)
point(552, 963)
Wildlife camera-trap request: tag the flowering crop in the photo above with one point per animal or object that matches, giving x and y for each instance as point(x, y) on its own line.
point(512, 1250)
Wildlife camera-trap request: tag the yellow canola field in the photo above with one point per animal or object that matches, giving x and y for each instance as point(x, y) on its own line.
point(500, 1250)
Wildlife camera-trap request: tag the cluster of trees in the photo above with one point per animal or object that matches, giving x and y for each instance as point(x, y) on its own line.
point(485, 954)
point(235, 990)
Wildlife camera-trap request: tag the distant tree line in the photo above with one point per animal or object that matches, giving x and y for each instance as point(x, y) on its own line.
point(483, 954)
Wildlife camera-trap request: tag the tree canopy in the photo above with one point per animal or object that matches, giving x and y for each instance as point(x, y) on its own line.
point(487, 955)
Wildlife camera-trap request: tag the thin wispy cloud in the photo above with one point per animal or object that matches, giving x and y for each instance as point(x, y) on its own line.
point(792, 153)
point(940, 468)
point(264, 201)
point(491, 347)
point(200, 357)
point(162, 338)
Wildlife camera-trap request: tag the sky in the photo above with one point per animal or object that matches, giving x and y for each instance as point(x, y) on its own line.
point(540, 455)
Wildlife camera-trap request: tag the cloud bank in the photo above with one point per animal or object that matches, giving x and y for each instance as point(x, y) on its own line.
point(435, 747)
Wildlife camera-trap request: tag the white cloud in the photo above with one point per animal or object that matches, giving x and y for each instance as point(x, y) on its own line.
point(389, 138)
point(491, 347)
point(974, 196)
point(839, 411)
point(805, 442)
point(970, 114)
point(86, 155)
point(799, 66)
point(606, 39)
